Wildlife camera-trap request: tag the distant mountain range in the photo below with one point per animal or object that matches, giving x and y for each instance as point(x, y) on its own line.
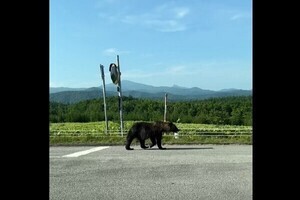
point(138, 90)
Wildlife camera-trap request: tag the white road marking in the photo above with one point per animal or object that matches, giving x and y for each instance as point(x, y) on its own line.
point(80, 153)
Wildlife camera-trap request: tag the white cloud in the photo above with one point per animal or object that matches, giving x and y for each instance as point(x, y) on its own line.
point(103, 3)
point(167, 18)
point(240, 15)
point(163, 18)
point(181, 12)
point(130, 19)
point(235, 17)
point(110, 51)
point(114, 52)
point(177, 69)
point(165, 25)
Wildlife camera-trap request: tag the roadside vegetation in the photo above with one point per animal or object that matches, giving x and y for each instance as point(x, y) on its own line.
point(226, 120)
point(93, 133)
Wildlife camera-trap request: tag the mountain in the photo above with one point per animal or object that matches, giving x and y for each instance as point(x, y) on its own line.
point(138, 90)
point(64, 89)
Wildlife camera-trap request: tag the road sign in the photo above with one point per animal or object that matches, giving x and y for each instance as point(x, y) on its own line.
point(114, 73)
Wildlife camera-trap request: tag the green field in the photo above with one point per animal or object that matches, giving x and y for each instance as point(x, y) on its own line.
point(93, 133)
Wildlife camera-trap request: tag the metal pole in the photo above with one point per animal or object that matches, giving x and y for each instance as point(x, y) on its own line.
point(165, 113)
point(120, 96)
point(104, 97)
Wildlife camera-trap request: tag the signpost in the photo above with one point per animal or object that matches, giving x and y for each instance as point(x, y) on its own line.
point(115, 75)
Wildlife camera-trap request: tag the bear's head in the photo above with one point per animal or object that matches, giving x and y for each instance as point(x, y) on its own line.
point(173, 127)
point(169, 127)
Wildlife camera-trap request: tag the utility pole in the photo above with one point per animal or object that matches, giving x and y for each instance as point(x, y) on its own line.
point(165, 113)
point(120, 96)
point(115, 75)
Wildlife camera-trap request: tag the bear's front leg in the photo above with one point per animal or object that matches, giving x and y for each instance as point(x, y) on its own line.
point(158, 139)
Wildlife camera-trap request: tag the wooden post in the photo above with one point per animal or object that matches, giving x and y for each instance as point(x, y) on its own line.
point(104, 97)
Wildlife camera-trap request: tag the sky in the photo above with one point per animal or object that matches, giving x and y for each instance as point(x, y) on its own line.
point(188, 43)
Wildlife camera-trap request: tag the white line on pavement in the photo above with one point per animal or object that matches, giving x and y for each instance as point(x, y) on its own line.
point(80, 153)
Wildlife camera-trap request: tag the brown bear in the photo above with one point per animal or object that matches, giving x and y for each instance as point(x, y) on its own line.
point(145, 130)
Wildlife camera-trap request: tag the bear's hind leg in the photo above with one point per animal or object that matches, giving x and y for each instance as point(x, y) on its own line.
point(142, 142)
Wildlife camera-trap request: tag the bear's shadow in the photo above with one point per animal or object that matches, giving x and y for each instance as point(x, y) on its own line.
point(179, 148)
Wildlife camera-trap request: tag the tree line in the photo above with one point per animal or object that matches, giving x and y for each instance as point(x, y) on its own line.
point(236, 110)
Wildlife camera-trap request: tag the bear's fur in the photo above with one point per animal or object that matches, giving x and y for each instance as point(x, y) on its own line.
point(145, 130)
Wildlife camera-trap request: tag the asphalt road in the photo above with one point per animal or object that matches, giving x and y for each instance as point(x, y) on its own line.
point(183, 172)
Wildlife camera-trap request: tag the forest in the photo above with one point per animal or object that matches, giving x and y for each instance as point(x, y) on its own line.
point(235, 110)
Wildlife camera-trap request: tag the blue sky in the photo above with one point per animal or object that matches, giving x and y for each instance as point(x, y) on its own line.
point(190, 43)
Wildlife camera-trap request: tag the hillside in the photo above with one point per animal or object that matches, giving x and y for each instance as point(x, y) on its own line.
point(137, 90)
